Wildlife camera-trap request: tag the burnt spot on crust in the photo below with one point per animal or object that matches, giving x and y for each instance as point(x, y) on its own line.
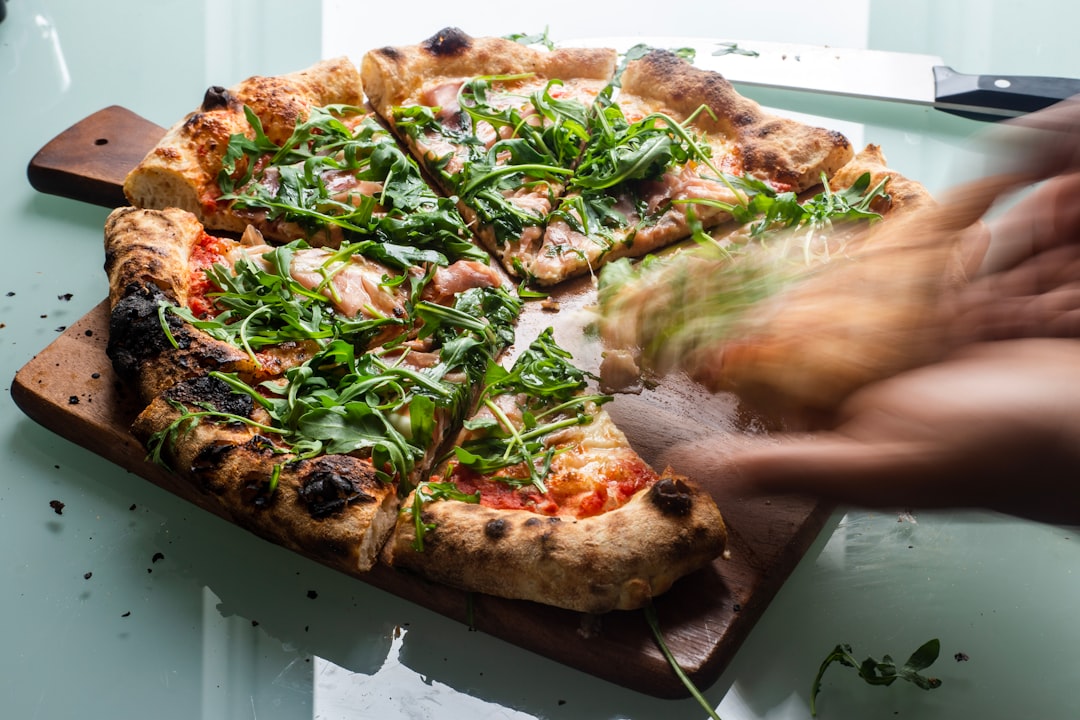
point(672, 496)
point(210, 390)
point(206, 464)
point(447, 42)
point(135, 332)
point(331, 483)
point(216, 97)
point(687, 80)
point(390, 52)
point(495, 529)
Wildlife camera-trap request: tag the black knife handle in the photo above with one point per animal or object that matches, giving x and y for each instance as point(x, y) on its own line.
point(998, 96)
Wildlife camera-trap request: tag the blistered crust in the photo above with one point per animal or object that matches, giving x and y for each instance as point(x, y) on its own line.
point(771, 148)
point(618, 560)
point(181, 170)
point(397, 75)
point(332, 508)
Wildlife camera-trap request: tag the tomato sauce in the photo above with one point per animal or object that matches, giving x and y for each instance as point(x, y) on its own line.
point(207, 252)
point(620, 480)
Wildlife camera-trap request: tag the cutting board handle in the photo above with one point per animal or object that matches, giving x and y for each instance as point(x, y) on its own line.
point(90, 159)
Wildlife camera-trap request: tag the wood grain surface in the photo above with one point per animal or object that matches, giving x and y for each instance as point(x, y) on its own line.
point(71, 389)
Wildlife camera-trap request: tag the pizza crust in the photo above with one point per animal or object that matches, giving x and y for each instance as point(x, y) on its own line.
point(332, 508)
point(771, 148)
point(394, 76)
point(182, 170)
point(618, 560)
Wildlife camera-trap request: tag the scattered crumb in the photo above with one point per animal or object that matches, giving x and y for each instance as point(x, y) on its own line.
point(73, 400)
point(132, 506)
point(65, 297)
point(961, 657)
point(562, 702)
point(11, 293)
point(157, 556)
point(127, 614)
point(312, 594)
point(61, 328)
point(549, 305)
point(87, 576)
point(254, 623)
point(57, 506)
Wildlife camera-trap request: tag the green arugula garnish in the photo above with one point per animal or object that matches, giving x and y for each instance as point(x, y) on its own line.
point(373, 404)
point(429, 491)
point(730, 48)
point(654, 626)
point(884, 671)
point(340, 169)
point(259, 305)
point(536, 39)
point(551, 398)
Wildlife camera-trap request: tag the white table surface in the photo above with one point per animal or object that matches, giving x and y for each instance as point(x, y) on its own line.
point(222, 626)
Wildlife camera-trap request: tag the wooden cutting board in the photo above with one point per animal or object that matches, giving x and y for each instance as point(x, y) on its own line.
point(70, 388)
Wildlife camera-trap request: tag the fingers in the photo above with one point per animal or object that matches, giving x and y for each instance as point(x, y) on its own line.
point(1047, 217)
point(843, 470)
point(1039, 145)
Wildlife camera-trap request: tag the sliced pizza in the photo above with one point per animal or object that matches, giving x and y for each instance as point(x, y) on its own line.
point(497, 124)
point(674, 149)
point(296, 156)
point(542, 498)
point(795, 309)
point(271, 380)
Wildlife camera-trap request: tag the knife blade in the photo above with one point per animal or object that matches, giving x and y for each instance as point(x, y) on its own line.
point(874, 74)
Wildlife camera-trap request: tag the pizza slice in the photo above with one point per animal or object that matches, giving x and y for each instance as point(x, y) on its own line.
point(797, 308)
point(296, 156)
point(299, 387)
point(542, 498)
point(184, 302)
point(674, 148)
point(497, 124)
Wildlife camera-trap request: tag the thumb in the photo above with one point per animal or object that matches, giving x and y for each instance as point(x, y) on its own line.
point(848, 471)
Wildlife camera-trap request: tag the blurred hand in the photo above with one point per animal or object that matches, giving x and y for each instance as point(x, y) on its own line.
point(995, 423)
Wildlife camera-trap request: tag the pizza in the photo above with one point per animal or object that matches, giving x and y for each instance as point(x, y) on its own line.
point(317, 288)
point(792, 312)
point(558, 173)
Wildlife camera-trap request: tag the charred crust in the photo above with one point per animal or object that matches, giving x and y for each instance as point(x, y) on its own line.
point(216, 97)
point(206, 464)
point(390, 52)
point(332, 483)
point(532, 522)
point(210, 390)
point(672, 496)
point(135, 332)
point(495, 529)
point(448, 42)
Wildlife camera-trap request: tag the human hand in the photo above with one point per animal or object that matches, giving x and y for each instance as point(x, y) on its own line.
point(996, 425)
point(993, 424)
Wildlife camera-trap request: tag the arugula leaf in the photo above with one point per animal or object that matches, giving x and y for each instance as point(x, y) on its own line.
point(537, 39)
point(730, 48)
point(884, 671)
point(551, 399)
point(654, 626)
point(306, 181)
point(373, 404)
point(429, 491)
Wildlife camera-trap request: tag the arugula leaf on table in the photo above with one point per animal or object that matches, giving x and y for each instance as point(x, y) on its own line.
point(884, 671)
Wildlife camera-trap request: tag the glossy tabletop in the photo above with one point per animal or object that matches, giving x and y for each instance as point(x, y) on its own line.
point(127, 602)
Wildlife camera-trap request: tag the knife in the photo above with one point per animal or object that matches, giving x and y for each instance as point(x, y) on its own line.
point(874, 74)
